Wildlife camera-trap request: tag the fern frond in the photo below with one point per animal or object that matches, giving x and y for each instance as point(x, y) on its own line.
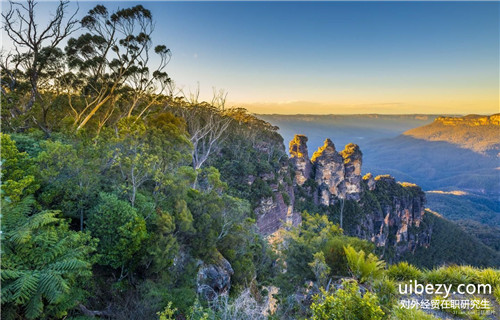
point(7, 274)
point(69, 265)
point(25, 286)
point(13, 213)
point(48, 287)
point(34, 308)
point(23, 234)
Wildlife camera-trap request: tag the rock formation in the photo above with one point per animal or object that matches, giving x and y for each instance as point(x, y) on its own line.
point(381, 210)
point(329, 172)
point(474, 132)
point(395, 221)
point(338, 175)
point(299, 157)
point(387, 213)
point(274, 211)
point(214, 279)
point(370, 181)
point(352, 163)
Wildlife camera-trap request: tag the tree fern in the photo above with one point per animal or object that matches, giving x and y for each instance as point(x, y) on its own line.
point(364, 268)
point(44, 264)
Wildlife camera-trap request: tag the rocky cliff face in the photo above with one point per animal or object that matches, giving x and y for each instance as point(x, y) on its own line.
point(474, 132)
point(384, 211)
point(470, 120)
point(393, 214)
point(275, 211)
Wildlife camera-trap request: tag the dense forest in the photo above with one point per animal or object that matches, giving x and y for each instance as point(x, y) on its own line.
point(125, 199)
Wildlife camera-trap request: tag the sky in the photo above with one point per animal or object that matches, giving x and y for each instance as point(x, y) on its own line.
point(331, 57)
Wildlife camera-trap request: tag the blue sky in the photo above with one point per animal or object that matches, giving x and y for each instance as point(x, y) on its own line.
point(334, 57)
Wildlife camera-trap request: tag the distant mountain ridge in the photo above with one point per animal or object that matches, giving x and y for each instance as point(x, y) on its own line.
point(478, 133)
point(361, 129)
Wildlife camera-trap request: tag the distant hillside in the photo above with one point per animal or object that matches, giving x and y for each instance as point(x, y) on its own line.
point(478, 133)
point(434, 165)
point(450, 244)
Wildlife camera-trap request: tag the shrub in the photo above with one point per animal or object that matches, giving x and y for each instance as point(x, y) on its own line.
point(167, 313)
point(404, 271)
point(489, 275)
point(454, 275)
point(346, 303)
point(335, 254)
point(120, 230)
point(385, 289)
point(496, 293)
point(364, 268)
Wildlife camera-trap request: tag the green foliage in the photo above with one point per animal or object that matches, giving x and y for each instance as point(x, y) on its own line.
point(335, 254)
point(68, 175)
point(404, 271)
point(260, 189)
point(496, 293)
point(167, 313)
point(114, 162)
point(198, 312)
point(386, 291)
point(316, 229)
point(387, 189)
point(346, 303)
point(28, 142)
point(488, 233)
point(120, 230)
point(352, 214)
point(44, 264)
point(316, 239)
point(473, 212)
point(17, 173)
point(301, 245)
point(364, 268)
point(320, 269)
point(251, 157)
point(456, 275)
point(488, 275)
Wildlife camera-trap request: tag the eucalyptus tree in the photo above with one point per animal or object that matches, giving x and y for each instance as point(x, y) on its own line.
point(33, 50)
point(111, 60)
point(206, 123)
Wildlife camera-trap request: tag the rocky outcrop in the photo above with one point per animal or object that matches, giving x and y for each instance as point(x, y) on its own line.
point(337, 174)
point(271, 214)
point(352, 163)
point(370, 181)
point(387, 212)
point(275, 211)
point(214, 279)
point(329, 172)
point(394, 220)
point(299, 157)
